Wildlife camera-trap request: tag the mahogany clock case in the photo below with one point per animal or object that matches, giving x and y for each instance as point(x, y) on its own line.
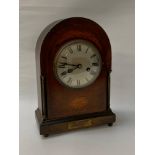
point(61, 108)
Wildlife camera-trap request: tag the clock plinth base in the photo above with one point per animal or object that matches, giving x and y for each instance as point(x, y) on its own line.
point(47, 127)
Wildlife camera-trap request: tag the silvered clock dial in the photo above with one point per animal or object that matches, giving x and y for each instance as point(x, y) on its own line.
point(77, 64)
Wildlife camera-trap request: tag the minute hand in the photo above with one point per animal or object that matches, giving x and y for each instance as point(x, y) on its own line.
point(63, 63)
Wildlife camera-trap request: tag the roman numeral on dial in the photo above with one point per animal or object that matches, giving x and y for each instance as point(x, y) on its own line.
point(87, 50)
point(78, 82)
point(95, 64)
point(61, 65)
point(69, 80)
point(94, 55)
point(63, 73)
point(79, 47)
point(64, 57)
point(70, 50)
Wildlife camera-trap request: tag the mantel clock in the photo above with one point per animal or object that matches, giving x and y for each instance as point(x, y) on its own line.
point(73, 63)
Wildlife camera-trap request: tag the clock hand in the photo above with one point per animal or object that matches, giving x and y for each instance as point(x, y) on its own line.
point(72, 69)
point(63, 63)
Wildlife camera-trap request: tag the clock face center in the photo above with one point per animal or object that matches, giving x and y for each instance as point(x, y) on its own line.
point(77, 64)
point(82, 63)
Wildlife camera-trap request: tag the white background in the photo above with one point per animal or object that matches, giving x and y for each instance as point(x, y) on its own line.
point(117, 19)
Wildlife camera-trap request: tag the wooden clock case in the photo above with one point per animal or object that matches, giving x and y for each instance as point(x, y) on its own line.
point(61, 108)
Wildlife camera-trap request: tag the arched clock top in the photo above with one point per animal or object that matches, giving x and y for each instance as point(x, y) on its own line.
point(62, 31)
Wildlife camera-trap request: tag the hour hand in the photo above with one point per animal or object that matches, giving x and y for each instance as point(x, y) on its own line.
point(66, 64)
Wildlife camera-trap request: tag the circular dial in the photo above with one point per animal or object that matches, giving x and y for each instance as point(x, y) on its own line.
point(77, 64)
